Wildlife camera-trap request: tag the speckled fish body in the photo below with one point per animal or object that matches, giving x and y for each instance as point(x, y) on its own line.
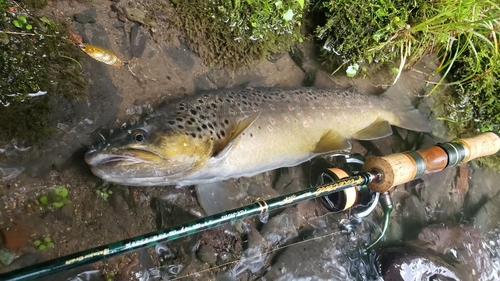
point(236, 133)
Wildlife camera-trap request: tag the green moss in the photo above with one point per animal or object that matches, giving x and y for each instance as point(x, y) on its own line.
point(236, 33)
point(34, 61)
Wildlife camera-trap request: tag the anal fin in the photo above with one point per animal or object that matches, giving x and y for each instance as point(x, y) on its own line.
point(332, 141)
point(378, 129)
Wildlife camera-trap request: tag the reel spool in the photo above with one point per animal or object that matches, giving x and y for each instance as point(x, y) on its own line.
point(359, 200)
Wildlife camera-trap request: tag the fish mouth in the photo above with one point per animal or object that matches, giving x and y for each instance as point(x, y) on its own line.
point(94, 159)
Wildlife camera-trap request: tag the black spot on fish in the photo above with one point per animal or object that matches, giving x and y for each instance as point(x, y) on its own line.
point(198, 129)
point(182, 108)
point(210, 126)
point(226, 121)
point(204, 126)
point(180, 127)
point(189, 122)
point(192, 119)
point(171, 122)
point(222, 133)
point(213, 105)
point(203, 117)
point(251, 135)
point(193, 135)
point(260, 128)
point(193, 111)
point(198, 108)
point(180, 119)
point(201, 101)
point(218, 136)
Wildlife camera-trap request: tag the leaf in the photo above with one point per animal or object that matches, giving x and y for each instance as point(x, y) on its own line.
point(29, 27)
point(37, 243)
point(66, 201)
point(42, 247)
point(61, 191)
point(44, 200)
point(352, 70)
point(288, 15)
point(47, 239)
point(50, 245)
point(301, 3)
point(58, 204)
point(17, 24)
point(22, 19)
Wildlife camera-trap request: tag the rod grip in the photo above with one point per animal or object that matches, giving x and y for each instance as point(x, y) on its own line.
point(400, 168)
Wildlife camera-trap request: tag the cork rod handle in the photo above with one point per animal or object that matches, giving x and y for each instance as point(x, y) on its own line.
point(400, 168)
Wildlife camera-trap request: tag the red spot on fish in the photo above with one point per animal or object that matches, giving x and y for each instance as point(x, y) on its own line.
point(306, 124)
point(312, 106)
point(323, 115)
point(297, 99)
point(287, 119)
point(269, 128)
point(348, 104)
point(290, 107)
point(272, 107)
point(336, 105)
point(255, 110)
point(359, 99)
point(370, 104)
point(272, 121)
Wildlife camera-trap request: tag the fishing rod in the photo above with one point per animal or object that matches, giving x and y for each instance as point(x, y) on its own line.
point(379, 174)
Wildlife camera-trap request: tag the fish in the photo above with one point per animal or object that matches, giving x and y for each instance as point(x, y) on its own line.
point(232, 133)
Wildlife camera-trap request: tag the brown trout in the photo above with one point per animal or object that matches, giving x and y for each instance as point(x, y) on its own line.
point(239, 133)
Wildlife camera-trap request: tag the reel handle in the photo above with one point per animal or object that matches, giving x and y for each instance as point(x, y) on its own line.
point(400, 168)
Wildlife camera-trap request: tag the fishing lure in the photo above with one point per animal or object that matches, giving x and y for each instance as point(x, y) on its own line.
point(98, 53)
point(101, 54)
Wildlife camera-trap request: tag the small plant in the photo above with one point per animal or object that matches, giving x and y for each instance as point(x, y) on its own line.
point(54, 199)
point(110, 276)
point(103, 191)
point(44, 244)
point(21, 23)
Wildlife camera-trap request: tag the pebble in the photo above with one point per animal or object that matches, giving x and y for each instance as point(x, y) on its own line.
point(83, 18)
point(16, 236)
point(207, 254)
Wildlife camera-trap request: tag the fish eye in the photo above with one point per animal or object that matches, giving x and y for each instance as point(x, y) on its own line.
point(139, 136)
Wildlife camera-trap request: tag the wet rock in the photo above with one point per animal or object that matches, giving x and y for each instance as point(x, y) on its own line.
point(463, 245)
point(138, 15)
point(10, 173)
point(138, 45)
point(207, 254)
point(6, 257)
point(16, 236)
point(414, 218)
point(84, 18)
point(442, 201)
point(283, 227)
point(487, 218)
point(408, 264)
point(219, 196)
point(483, 186)
point(183, 57)
point(26, 260)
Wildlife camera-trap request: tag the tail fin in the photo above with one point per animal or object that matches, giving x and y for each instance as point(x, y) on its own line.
point(409, 117)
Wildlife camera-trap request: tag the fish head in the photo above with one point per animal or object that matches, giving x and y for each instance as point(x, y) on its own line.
point(150, 154)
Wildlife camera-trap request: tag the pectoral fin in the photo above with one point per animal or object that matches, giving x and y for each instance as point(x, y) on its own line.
point(233, 133)
point(378, 129)
point(332, 141)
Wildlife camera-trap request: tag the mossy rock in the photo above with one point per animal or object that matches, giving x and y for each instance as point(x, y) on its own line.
point(35, 64)
point(237, 33)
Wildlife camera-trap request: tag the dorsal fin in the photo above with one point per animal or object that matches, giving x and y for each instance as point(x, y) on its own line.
point(225, 145)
